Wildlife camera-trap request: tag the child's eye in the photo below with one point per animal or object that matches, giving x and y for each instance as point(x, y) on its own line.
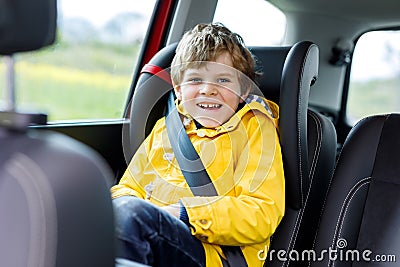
point(223, 80)
point(195, 80)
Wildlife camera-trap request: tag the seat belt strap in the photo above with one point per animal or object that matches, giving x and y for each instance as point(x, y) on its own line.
point(189, 161)
point(197, 177)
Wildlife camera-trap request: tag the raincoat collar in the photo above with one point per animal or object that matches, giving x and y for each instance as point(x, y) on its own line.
point(253, 103)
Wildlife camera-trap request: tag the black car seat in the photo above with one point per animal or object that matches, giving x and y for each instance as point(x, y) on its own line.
point(55, 205)
point(360, 221)
point(308, 139)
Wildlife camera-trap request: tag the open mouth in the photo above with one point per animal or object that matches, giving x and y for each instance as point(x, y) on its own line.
point(209, 106)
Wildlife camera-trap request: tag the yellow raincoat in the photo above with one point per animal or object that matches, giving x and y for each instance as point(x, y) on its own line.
point(243, 159)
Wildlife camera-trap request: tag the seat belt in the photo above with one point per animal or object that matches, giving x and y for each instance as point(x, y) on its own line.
point(189, 161)
point(194, 171)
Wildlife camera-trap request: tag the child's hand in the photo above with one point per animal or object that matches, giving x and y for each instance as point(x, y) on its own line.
point(172, 209)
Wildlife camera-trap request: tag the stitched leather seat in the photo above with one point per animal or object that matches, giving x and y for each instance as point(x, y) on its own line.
point(362, 210)
point(55, 204)
point(308, 138)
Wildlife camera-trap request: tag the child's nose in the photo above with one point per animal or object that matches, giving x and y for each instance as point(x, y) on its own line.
point(208, 89)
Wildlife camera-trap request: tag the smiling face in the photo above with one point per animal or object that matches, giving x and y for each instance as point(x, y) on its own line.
point(211, 93)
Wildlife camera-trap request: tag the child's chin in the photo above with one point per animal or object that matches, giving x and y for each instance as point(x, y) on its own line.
point(208, 123)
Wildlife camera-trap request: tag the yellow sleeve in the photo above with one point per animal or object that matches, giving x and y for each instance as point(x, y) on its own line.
point(139, 172)
point(253, 214)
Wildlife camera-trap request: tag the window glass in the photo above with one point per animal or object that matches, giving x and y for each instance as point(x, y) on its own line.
point(375, 76)
point(86, 74)
point(257, 21)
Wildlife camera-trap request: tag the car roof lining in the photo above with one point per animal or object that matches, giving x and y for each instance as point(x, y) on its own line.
point(371, 10)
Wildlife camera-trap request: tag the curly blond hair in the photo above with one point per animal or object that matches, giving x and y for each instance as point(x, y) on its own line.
point(205, 42)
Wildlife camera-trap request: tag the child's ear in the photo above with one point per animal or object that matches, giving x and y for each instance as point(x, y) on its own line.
point(178, 94)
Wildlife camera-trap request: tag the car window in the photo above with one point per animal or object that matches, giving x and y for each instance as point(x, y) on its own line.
point(87, 73)
point(257, 21)
point(375, 75)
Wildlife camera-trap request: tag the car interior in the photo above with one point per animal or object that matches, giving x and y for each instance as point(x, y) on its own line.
point(47, 216)
point(339, 119)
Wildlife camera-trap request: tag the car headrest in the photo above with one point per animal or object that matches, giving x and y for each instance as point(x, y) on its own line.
point(26, 25)
point(270, 62)
point(149, 98)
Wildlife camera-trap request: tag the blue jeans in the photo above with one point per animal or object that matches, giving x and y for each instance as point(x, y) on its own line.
point(149, 235)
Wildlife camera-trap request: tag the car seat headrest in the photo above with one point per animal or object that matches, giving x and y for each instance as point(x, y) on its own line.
point(26, 25)
point(270, 62)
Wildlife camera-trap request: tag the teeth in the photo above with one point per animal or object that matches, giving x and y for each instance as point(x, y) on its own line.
point(209, 105)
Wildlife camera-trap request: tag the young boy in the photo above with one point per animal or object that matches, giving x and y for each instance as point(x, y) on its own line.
point(159, 221)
